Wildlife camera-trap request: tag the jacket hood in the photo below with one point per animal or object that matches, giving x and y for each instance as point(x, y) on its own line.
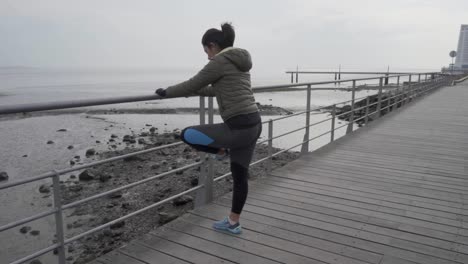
point(239, 57)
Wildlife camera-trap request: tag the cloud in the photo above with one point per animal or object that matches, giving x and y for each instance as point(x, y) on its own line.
point(279, 34)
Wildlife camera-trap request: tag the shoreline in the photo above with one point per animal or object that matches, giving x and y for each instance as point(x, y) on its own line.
point(266, 110)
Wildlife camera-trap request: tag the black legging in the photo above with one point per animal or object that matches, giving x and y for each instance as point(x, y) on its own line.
point(238, 134)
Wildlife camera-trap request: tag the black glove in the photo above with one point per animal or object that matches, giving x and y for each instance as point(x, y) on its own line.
point(161, 92)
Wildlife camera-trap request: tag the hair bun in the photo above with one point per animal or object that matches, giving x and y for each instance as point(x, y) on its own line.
point(229, 34)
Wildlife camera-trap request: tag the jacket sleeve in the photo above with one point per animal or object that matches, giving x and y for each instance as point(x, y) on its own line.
point(206, 91)
point(198, 84)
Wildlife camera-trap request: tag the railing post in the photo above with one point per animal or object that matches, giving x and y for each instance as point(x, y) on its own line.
point(305, 145)
point(210, 175)
point(201, 193)
point(332, 131)
point(292, 77)
point(408, 94)
point(419, 89)
point(379, 102)
point(351, 117)
point(366, 119)
point(395, 101)
point(270, 145)
point(59, 218)
point(398, 81)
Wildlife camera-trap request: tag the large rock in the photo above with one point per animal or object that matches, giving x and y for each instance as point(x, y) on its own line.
point(104, 177)
point(166, 217)
point(117, 225)
point(86, 175)
point(75, 188)
point(133, 158)
point(44, 189)
point(90, 152)
point(3, 176)
point(182, 200)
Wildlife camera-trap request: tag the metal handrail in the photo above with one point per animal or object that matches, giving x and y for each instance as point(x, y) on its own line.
point(410, 92)
point(12, 109)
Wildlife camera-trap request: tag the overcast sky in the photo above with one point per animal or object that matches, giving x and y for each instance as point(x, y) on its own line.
point(414, 34)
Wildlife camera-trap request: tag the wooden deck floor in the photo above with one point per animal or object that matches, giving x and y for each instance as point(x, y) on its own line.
point(395, 192)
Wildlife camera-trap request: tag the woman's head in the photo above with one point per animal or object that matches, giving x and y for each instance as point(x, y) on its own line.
point(215, 40)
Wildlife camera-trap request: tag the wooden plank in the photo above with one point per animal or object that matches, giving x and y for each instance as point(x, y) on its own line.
point(371, 223)
point(395, 260)
point(115, 257)
point(294, 243)
point(385, 173)
point(344, 226)
point(262, 245)
point(366, 176)
point(400, 216)
point(326, 231)
point(367, 188)
point(148, 255)
point(205, 217)
point(221, 251)
point(323, 197)
point(298, 184)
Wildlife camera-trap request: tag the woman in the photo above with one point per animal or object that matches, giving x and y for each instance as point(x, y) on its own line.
point(228, 75)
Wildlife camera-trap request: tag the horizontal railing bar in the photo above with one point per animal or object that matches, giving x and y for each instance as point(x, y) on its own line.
point(32, 179)
point(101, 227)
point(70, 205)
point(287, 133)
point(320, 122)
point(27, 220)
point(92, 164)
point(362, 117)
point(358, 72)
point(259, 88)
point(35, 255)
point(287, 116)
point(11, 109)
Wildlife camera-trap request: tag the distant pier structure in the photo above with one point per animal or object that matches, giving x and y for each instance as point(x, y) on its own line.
point(338, 73)
point(461, 61)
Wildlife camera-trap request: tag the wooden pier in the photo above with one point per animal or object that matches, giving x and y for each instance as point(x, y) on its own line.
point(394, 192)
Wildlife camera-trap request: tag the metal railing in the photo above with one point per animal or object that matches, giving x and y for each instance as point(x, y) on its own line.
point(401, 95)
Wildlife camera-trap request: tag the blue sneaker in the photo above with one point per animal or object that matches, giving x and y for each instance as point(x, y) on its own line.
point(224, 225)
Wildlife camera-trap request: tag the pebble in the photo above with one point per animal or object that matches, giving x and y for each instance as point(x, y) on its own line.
point(3, 176)
point(25, 229)
point(44, 189)
point(35, 232)
point(90, 152)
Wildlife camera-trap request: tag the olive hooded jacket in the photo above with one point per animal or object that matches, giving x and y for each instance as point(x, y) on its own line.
point(227, 77)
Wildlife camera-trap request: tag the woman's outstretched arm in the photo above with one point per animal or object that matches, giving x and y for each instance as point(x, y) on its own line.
point(198, 84)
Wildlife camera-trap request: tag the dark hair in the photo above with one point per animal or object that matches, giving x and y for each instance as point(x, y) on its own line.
point(223, 38)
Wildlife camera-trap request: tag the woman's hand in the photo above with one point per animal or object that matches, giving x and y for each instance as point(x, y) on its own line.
point(161, 92)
